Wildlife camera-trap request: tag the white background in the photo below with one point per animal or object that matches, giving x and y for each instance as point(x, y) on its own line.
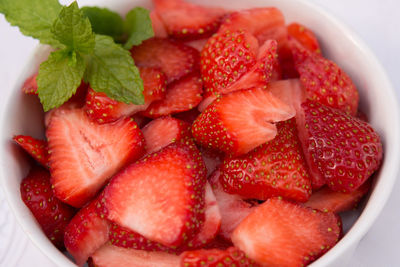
point(377, 22)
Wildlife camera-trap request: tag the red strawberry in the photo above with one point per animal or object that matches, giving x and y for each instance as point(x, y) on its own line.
point(181, 95)
point(173, 58)
point(197, 44)
point(212, 159)
point(341, 150)
point(281, 233)
point(84, 155)
point(36, 148)
point(289, 92)
point(276, 168)
point(30, 85)
point(158, 26)
point(324, 81)
point(188, 116)
point(102, 109)
point(305, 36)
point(51, 214)
point(86, 233)
point(161, 196)
point(221, 126)
point(188, 21)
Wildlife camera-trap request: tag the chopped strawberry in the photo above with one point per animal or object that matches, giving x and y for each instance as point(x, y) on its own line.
point(341, 150)
point(197, 44)
point(102, 109)
point(163, 131)
point(324, 80)
point(305, 36)
point(161, 196)
point(188, 21)
point(141, 120)
point(86, 233)
point(219, 243)
point(288, 91)
point(221, 126)
point(36, 148)
point(212, 159)
point(51, 214)
point(286, 62)
point(84, 155)
point(158, 25)
point(30, 85)
point(276, 168)
point(173, 58)
point(281, 233)
point(188, 116)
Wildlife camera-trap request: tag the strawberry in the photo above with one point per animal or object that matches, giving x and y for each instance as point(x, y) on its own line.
point(188, 21)
point(276, 168)
point(188, 116)
point(173, 58)
point(288, 91)
point(181, 95)
point(281, 233)
point(84, 155)
point(30, 85)
point(219, 243)
point(197, 44)
point(102, 109)
point(212, 159)
point(222, 127)
point(87, 232)
point(324, 80)
point(161, 196)
point(341, 150)
point(158, 25)
point(305, 36)
point(51, 214)
point(36, 148)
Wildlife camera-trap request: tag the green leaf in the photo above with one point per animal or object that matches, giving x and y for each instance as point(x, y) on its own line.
point(33, 17)
point(59, 77)
point(111, 70)
point(73, 29)
point(105, 21)
point(138, 26)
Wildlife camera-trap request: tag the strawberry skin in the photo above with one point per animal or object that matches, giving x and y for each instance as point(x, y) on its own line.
point(84, 154)
point(51, 214)
point(281, 233)
point(276, 168)
point(36, 148)
point(305, 36)
point(341, 150)
point(30, 85)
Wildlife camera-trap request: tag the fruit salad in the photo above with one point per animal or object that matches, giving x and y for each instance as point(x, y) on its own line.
point(233, 141)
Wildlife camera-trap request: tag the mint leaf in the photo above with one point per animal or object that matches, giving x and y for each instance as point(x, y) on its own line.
point(33, 17)
point(59, 77)
point(105, 21)
point(73, 29)
point(111, 70)
point(138, 26)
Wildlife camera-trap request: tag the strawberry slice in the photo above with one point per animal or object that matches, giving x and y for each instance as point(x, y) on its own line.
point(173, 58)
point(102, 109)
point(288, 91)
point(341, 150)
point(276, 168)
point(324, 80)
point(281, 233)
point(212, 159)
point(36, 148)
point(222, 127)
point(84, 155)
point(197, 44)
point(181, 95)
point(51, 214)
point(86, 232)
point(305, 36)
point(188, 21)
point(161, 196)
point(188, 116)
point(30, 85)
point(158, 25)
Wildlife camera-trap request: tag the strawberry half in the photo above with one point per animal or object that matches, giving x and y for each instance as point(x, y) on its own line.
point(51, 214)
point(222, 127)
point(173, 58)
point(280, 233)
point(84, 155)
point(36, 148)
point(161, 196)
point(30, 85)
point(276, 168)
point(188, 21)
point(341, 150)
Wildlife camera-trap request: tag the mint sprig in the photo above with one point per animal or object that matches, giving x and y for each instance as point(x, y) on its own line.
point(138, 26)
point(105, 21)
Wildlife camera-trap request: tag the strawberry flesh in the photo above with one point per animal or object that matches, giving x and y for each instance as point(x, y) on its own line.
point(30, 85)
point(158, 25)
point(36, 148)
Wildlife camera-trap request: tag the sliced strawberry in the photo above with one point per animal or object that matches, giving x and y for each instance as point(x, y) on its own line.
point(141, 120)
point(305, 36)
point(286, 62)
point(36, 148)
point(324, 80)
point(163, 131)
point(288, 91)
point(219, 243)
point(84, 155)
point(86, 233)
point(173, 58)
point(102, 109)
point(30, 85)
point(181, 95)
point(188, 21)
point(51, 214)
point(158, 25)
point(197, 44)
point(222, 127)
point(211, 158)
point(161, 196)
point(281, 233)
point(188, 116)
point(341, 150)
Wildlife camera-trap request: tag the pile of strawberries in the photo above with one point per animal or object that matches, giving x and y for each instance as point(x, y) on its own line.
point(248, 146)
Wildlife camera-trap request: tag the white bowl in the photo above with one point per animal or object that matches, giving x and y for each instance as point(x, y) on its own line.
point(22, 115)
